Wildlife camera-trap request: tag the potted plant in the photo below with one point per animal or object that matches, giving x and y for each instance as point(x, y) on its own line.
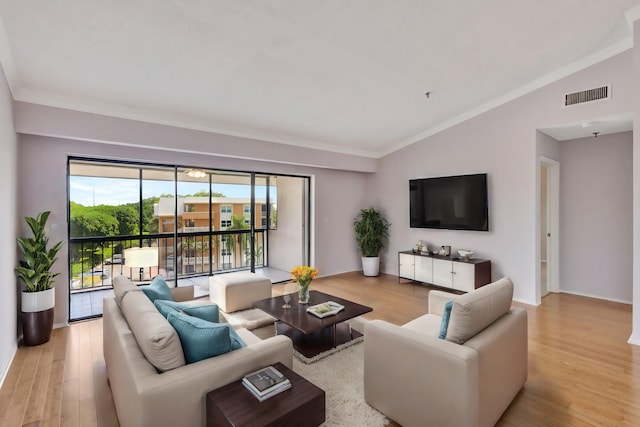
point(372, 231)
point(38, 296)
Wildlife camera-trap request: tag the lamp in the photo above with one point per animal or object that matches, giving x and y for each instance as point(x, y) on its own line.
point(141, 258)
point(196, 173)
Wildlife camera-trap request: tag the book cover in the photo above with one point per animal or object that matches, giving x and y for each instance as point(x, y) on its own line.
point(265, 378)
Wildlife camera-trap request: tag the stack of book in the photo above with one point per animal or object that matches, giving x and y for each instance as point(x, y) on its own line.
point(265, 383)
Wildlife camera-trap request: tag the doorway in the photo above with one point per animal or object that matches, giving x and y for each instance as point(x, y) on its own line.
point(549, 223)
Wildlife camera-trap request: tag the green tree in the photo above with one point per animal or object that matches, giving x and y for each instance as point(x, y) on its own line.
point(242, 239)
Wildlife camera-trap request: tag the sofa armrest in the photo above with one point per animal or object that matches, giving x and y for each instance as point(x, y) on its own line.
point(183, 293)
point(419, 380)
point(437, 300)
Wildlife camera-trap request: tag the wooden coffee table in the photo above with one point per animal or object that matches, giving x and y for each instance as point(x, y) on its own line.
point(312, 335)
point(233, 405)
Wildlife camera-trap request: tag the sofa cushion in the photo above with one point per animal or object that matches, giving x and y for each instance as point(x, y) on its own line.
point(446, 315)
point(158, 289)
point(474, 311)
point(156, 338)
point(122, 285)
point(200, 339)
point(208, 312)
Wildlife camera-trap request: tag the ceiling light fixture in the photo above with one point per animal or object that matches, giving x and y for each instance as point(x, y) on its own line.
point(196, 173)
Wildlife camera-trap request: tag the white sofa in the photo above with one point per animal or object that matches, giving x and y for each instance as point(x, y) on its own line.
point(144, 397)
point(466, 380)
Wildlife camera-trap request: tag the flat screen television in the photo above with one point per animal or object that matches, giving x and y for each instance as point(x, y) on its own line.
point(450, 202)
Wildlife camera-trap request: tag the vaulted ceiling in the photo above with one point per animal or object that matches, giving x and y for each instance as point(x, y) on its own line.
point(343, 75)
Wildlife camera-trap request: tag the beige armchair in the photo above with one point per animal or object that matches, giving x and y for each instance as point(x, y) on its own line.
point(466, 380)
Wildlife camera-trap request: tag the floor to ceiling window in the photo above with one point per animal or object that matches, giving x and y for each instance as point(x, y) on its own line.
point(141, 220)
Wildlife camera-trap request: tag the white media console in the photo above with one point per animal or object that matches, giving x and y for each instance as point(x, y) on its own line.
point(444, 271)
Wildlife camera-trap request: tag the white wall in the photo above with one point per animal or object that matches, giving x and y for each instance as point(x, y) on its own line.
point(338, 195)
point(596, 217)
point(635, 90)
point(503, 143)
point(286, 243)
point(8, 249)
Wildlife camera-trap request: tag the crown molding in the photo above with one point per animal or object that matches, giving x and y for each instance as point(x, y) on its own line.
point(552, 77)
point(632, 15)
point(6, 61)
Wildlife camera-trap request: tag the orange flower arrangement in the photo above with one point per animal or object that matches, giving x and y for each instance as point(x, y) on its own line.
point(303, 274)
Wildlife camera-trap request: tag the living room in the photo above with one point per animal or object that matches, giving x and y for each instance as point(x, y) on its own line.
point(504, 139)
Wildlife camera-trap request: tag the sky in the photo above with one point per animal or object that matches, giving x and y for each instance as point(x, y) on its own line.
point(94, 191)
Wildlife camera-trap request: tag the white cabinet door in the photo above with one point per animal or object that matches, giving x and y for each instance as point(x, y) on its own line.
point(424, 269)
point(406, 268)
point(442, 273)
point(464, 276)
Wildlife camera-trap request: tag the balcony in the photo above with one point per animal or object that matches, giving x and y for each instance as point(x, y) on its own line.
point(95, 261)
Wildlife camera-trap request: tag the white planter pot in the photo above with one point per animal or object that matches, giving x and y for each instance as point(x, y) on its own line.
point(38, 301)
point(371, 266)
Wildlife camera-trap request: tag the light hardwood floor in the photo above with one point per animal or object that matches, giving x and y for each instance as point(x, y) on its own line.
point(582, 372)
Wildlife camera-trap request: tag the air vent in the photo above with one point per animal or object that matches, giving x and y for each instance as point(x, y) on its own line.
point(590, 95)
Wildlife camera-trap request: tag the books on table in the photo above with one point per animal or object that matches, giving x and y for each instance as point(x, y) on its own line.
point(266, 382)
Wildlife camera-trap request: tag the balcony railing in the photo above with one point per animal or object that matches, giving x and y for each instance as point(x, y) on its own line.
point(94, 261)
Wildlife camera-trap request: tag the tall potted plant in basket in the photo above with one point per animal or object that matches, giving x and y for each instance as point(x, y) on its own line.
point(38, 296)
point(372, 232)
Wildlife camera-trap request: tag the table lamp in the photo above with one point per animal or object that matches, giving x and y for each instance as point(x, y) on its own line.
point(141, 258)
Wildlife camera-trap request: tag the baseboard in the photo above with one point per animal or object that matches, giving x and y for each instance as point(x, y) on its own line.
point(582, 294)
point(527, 302)
point(634, 339)
point(5, 369)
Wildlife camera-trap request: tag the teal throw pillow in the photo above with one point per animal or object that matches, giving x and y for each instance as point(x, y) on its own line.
point(446, 315)
point(236, 341)
point(200, 339)
point(207, 312)
point(158, 289)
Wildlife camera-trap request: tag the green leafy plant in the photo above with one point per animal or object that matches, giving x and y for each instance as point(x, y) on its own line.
point(372, 232)
point(35, 268)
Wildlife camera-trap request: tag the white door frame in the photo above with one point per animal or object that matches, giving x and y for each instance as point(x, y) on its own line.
point(553, 227)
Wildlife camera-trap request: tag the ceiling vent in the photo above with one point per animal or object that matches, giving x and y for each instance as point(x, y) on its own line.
point(602, 93)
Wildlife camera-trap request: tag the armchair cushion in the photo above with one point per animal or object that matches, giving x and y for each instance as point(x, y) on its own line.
point(474, 311)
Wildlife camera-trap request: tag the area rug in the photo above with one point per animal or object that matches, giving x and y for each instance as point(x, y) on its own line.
point(250, 319)
point(341, 375)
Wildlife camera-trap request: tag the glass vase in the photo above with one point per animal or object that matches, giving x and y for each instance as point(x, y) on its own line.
point(303, 294)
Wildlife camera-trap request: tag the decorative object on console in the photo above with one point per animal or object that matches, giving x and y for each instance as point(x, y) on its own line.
point(465, 254)
point(38, 298)
point(445, 250)
point(372, 231)
point(303, 274)
point(420, 246)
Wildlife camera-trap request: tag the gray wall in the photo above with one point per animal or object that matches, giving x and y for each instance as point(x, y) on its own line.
point(596, 216)
point(337, 196)
point(8, 221)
